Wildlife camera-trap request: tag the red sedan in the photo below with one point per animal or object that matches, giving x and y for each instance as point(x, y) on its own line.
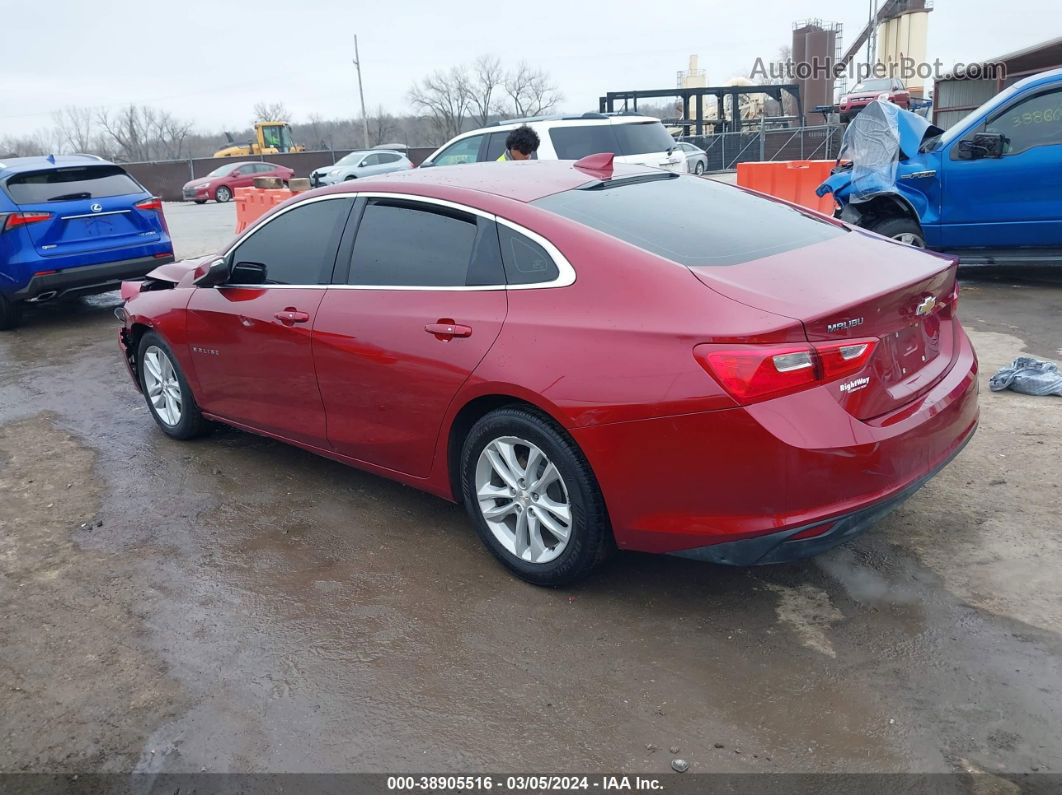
point(221, 183)
point(584, 357)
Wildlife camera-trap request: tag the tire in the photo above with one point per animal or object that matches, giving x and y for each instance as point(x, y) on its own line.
point(574, 492)
point(200, 201)
point(698, 169)
point(188, 423)
point(348, 179)
point(222, 194)
point(10, 313)
point(904, 230)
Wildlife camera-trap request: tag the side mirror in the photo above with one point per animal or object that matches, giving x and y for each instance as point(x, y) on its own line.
point(248, 273)
point(982, 145)
point(216, 273)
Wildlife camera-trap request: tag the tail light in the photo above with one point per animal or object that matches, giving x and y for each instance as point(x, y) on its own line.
point(24, 219)
point(154, 204)
point(750, 373)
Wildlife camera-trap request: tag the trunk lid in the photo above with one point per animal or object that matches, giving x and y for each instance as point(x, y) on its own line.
point(857, 286)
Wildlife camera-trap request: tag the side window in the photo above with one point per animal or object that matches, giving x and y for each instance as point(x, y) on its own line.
point(413, 244)
point(371, 160)
point(298, 247)
point(526, 262)
point(465, 151)
point(495, 146)
point(264, 168)
point(243, 171)
point(389, 157)
point(1035, 121)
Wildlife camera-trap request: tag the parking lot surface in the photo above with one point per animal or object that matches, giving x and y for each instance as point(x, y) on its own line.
point(233, 604)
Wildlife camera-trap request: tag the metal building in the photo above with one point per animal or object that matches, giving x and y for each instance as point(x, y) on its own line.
point(953, 97)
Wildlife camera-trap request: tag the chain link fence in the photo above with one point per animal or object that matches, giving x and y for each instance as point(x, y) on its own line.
point(726, 150)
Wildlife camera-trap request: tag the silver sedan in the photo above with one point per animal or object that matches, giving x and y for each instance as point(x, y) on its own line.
point(696, 158)
point(358, 164)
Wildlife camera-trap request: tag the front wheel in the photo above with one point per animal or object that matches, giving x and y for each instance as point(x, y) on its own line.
point(168, 395)
point(904, 230)
point(533, 499)
point(10, 313)
point(222, 195)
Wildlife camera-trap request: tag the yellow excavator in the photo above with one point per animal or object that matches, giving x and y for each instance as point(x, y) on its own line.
point(272, 137)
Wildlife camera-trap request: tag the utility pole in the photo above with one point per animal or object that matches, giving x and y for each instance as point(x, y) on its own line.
point(361, 93)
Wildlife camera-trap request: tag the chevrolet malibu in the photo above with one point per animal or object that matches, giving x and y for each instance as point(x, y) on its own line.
point(586, 356)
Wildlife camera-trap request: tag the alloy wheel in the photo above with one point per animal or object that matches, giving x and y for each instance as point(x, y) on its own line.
point(910, 239)
point(523, 499)
point(162, 385)
point(223, 194)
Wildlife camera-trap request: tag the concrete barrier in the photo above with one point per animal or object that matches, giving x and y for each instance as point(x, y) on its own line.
point(792, 180)
point(253, 203)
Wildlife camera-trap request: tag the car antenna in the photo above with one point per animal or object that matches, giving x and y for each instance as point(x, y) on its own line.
point(600, 164)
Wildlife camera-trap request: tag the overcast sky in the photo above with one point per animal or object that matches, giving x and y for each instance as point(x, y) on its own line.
point(209, 62)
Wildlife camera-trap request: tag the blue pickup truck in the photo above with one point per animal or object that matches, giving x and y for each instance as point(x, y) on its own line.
point(989, 190)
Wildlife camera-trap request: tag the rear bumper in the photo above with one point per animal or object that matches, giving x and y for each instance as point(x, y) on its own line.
point(784, 546)
point(88, 279)
point(775, 469)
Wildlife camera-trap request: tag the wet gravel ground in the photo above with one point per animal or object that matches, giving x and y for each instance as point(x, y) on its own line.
point(233, 604)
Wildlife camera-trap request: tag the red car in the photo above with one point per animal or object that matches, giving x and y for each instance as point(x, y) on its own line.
point(584, 357)
point(865, 92)
point(221, 183)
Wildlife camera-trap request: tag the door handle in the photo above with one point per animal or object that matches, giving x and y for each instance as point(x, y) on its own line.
point(447, 330)
point(291, 315)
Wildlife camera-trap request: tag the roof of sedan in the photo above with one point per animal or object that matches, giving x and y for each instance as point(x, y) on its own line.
point(524, 181)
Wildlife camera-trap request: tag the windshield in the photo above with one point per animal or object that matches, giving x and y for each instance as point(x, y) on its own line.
point(220, 171)
point(690, 220)
point(351, 159)
point(871, 85)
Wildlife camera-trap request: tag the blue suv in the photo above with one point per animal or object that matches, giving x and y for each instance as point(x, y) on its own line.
point(73, 225)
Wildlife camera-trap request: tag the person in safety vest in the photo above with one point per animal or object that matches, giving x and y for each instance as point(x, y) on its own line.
point(521, 144)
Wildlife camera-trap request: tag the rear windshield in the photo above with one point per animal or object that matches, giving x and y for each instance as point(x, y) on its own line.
point(690, 220)
point(639, 138)
point(62, 184)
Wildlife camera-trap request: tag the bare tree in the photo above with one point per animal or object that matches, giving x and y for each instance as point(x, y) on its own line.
point(139, 132)
point(271, 111)
point(39, 143)
point(486, 78)
point(445, 97)
point(531, 91)
point(74, 128)
point(381, 126)
point(125, 128)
